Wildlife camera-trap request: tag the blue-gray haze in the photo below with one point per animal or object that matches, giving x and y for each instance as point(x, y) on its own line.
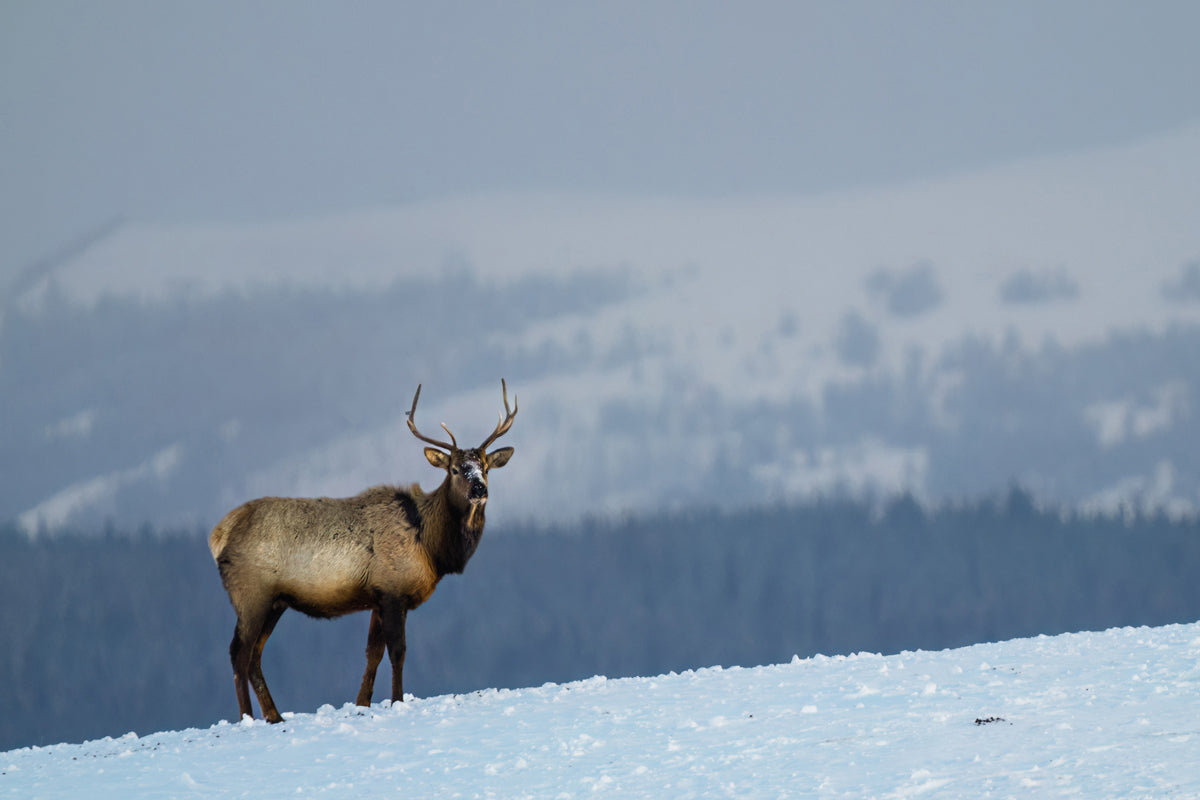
point(233, 111)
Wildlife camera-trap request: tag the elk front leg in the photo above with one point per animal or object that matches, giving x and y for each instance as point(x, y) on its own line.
point(375, 646)
point(393, 615)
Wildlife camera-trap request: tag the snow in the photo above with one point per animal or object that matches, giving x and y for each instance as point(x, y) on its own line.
point(854, 469)
point(75, 426)
point(1093, 715)
point(55, 511)
point(1115, 224)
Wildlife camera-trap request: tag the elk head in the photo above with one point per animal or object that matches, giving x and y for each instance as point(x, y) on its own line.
point(467, 469)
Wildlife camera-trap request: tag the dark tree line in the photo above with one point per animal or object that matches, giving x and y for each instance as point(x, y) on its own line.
point(106, 634)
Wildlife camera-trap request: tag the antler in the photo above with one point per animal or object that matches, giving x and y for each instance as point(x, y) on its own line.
point(505, 421)
point(412, 426)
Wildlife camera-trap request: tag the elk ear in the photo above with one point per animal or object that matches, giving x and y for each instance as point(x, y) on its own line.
point(498, 458)
point(437, 458)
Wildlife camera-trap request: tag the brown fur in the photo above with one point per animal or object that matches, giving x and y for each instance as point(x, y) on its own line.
point(384, 550)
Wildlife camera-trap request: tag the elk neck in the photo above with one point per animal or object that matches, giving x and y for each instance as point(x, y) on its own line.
point(448, 530)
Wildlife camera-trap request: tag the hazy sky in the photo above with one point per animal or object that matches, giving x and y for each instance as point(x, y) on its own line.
point(239, 110)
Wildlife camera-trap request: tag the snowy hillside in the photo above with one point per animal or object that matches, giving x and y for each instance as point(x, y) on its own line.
point(1109, 714)
point(1034, 323)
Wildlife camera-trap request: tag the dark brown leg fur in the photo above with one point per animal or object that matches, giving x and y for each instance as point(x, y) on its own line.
point(265, 701)
point(375, 646)
point(239, 655)
point(393, 616)
point(245, 653)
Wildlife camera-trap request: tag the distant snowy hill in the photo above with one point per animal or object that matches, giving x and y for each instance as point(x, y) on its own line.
point(1108, 714)
point(1036, 323)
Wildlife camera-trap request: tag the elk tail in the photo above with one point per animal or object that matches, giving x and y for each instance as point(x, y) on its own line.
point(220, 534)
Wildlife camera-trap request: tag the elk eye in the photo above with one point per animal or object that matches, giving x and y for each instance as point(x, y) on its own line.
point(454, 470)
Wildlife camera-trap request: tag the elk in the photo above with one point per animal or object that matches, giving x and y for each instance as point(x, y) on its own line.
point(383, 550)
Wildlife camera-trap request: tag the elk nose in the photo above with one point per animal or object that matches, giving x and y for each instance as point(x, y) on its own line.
point(478, 491)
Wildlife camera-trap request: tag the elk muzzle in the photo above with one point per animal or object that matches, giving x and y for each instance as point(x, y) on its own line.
point(476, 497)
point(477, 490)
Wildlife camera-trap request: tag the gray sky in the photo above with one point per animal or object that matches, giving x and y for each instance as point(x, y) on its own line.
point(210, 111)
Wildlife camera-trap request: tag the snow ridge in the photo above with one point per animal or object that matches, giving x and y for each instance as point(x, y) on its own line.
point(1094, 714)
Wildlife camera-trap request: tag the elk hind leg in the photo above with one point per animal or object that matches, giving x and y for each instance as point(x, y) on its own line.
point(375, 647)
point(265, 701)
point(250, 621)
point(239, 656)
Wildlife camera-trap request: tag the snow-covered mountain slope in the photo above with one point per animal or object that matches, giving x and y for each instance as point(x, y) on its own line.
point(1032, 323)
point(1109, 714)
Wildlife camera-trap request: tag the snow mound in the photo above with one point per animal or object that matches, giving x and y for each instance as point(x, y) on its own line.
point(1095, 714)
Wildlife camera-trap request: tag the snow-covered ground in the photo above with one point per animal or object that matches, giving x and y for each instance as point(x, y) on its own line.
point(1110, 714)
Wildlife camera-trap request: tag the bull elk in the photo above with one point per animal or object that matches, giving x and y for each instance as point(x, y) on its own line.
point(383, 550)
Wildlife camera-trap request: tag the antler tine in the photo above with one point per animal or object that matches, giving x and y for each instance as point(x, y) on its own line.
point(412, 426)
point(506, 420)
point(453, 441)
